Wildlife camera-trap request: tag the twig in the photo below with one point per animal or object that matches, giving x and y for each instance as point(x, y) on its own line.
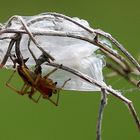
point(120, 46)
point(124, 65)
point(102, 86)
point(93, 32)
point(116, 57)
point(103, 102)
point(76, 36)
point(27, 29)
point(99, 32)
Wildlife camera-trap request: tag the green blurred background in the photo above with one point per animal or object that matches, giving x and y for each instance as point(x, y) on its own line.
point(76, 116)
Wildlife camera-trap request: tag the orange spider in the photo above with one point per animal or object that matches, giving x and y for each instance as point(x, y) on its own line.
point(35, 82)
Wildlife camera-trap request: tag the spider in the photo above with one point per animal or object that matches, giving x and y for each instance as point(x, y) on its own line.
point(34, 81)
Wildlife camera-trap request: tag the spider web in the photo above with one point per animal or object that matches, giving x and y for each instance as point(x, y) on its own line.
point(123, 88)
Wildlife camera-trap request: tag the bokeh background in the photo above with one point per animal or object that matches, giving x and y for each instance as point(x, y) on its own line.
point(76, 116)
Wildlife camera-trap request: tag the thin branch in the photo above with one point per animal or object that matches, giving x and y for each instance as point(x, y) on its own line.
point(117, 58)
point(56, 15)
point(119, 46)
point(71, 35)
point(103, 102)
point(27, 29)
point(12, 42)
point(125, 66)
point(101, 86)
point(99, 32)
point(90, 30)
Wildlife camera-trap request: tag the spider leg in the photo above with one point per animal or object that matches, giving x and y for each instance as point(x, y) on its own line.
point(64, 83)
point(58, 91)
point(130, 105)
point(23, 90)
point(54, 102)
point(51, 72)
point(9, 80)
point(51, 100)
point(31, 93)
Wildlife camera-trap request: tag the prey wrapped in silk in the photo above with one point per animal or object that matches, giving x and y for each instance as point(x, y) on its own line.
point(71, 52)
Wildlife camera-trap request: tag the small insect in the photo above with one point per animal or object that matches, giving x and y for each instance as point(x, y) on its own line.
point(35, 82)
